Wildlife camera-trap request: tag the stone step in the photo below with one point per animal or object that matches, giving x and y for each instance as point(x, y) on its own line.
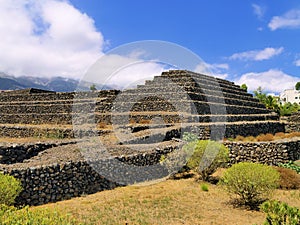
point(57, 96)
point(176, 73)
point(144, 117)
point(180, 80)
point(194, 107)
point(214, 131)
point(165, 96)
point(189, 89)
point(203, 88)
point(150, 105)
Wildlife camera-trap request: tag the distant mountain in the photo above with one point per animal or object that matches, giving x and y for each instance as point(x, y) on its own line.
point(59, 84)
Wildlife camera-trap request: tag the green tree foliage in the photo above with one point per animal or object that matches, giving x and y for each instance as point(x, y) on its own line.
point(251, 182)
point(93, 87)
point(260, 95)
point(10, 188)
point(244, 87)
point(272, 103)
point(289, 108)
point(206, 157)
point(280, 213)
point(297, 86)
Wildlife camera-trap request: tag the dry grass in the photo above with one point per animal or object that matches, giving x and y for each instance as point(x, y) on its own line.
point(266, 137)
point(169, 202)
point(26, 140)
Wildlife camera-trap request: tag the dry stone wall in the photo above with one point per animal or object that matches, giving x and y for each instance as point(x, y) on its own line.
point(293, 123)
point(17, 153)
point(60, 181)
point(271, 153)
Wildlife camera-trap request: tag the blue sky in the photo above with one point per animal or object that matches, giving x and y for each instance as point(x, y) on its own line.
point(252, 42)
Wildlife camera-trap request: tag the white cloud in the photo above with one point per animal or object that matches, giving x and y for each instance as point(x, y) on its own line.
point(258, 10)
point(297, 62)
point(272, 80)
point(257, 55)
point(215, 70)
point(47, 38)
point(291, 19)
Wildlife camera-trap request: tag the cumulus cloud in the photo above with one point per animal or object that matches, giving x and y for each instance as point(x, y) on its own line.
point(123, 71)
point(215, 70)
point(258, 10)
point(291, 19)
point(47, 38)
point(272, 80)
point(257, 55)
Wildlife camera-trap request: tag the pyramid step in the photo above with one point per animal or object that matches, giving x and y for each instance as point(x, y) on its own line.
point(59, 96)
point(191, 86)
point(194, 107)
point(200, 78)
point(198, 91)
point(164, 96)
point(195, 82)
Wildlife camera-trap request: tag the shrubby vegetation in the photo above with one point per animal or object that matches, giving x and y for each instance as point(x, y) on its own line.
point(280, 213)
point(10, 188)
point(250, 182)
point(206, 157)
point(291, 165)
point(273, 103)
point(289, 179)
point(10, 215)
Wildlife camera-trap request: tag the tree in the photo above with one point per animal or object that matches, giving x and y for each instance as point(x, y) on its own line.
point(260, 95)
point(93, 87)
point(297, 86)
point(244, 87)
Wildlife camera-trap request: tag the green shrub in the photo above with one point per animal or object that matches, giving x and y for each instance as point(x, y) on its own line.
point(11, 216)
point(10, 188)
point(280, 213)
point(206, 156)
point(291, 165)
point(251, 182)
point(189, 137)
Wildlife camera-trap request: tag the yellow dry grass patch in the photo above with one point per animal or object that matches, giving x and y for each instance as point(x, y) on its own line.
point(168, 202)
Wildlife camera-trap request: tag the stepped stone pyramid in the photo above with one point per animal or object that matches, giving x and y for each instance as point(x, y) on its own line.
point(216, 107)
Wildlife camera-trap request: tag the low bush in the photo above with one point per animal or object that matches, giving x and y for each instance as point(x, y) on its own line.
point(10, 188)
point(249, 139)
point(250, 182)
point(280, 213)
point(279, 135)
point(289, 179)
point(206, 156)
point(239, 138)
point(265, 137)
point(10, 215)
